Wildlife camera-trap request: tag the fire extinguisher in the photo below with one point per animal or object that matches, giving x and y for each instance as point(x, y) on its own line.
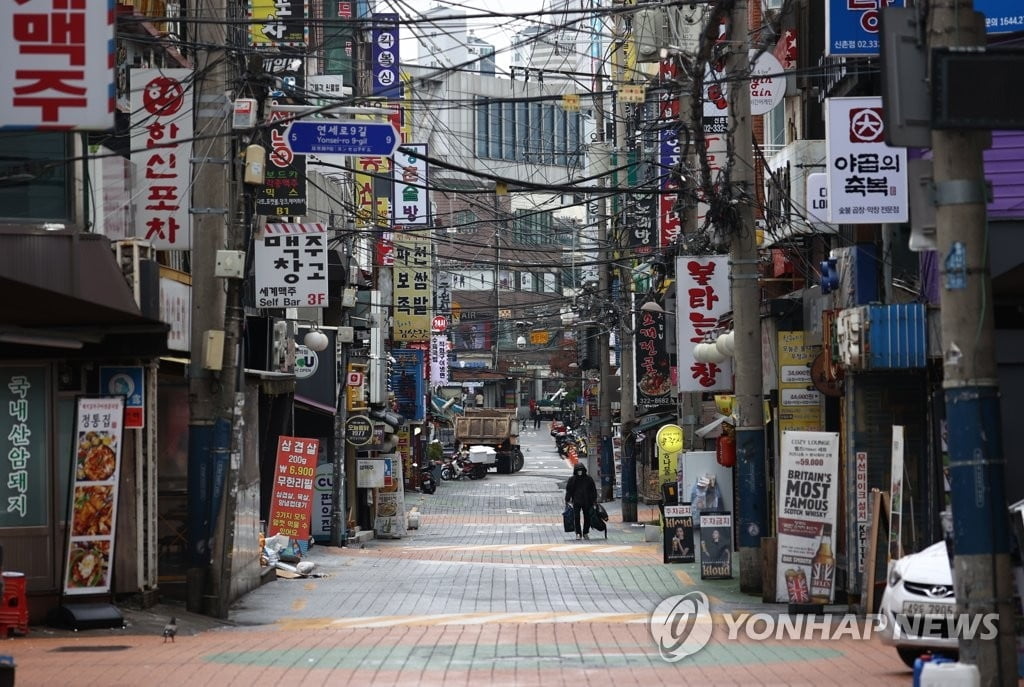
point(725, 450)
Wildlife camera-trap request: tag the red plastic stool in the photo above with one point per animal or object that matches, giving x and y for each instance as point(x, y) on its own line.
point(14, 606)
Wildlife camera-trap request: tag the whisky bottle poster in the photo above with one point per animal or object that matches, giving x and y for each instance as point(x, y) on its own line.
point(806, 517)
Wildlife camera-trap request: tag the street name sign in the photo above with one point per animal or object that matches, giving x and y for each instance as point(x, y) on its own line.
point(343, 138)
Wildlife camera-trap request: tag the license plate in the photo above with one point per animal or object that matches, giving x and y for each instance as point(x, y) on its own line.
point(926, 608)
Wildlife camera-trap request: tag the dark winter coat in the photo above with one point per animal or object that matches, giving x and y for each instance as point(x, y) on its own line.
point(580, 490)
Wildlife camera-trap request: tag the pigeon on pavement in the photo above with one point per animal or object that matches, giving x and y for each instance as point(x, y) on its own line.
point(170, 629)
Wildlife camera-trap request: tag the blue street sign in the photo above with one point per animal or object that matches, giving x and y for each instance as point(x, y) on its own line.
point(343, 138)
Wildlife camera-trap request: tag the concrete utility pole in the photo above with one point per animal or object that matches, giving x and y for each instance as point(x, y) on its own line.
point(604, 444)
point(981, 565)
point(746, 304)
point(214, 401)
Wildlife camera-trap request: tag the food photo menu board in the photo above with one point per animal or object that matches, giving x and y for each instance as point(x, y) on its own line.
point(99, 425)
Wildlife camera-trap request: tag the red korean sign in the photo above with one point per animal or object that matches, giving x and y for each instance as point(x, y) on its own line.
point(161, 150)
point(291, 502)
point(703, 296)
point(57, 65)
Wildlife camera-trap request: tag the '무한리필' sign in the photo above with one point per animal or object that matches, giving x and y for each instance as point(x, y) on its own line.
point(291, 502)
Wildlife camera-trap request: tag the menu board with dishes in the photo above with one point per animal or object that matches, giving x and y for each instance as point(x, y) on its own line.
point(99, 426)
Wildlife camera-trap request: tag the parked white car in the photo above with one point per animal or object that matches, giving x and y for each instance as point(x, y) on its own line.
point(919, 603)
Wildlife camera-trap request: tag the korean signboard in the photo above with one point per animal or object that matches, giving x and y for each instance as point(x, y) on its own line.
point(653, 367)
point(439, 374)
point(413, 287)
point(807, 502)
point(57, 65)
point(867, 179)
point(669, 160)
point(410, 199)
point(130, 383)
point(371, 472)
point(24, 482)
point(799, 401)
point(277, 23)
point(715, 546)
point(161, 151)
point(852, 26)
point(639, 217)
point(284, 185)
point(291, 266)
point(678, 544)
point(385, 58)
point(97, 466)
point(323, 501)
point(407, 383)
point(291, 500)
point(1001, 16)
point(703, 296)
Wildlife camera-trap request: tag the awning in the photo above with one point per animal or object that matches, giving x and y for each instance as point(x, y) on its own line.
point(653, 420)
point(65, 295)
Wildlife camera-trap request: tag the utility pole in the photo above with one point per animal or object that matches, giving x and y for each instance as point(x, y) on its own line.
point(604, 366)
point(627, 397)
point(746, 303)
point(209, 431)
point(981, 564)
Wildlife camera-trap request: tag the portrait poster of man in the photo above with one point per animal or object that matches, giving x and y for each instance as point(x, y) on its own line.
point(716, 546)
point(678, 534)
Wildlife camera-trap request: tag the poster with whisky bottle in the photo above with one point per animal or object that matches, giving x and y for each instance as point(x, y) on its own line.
point(806, 517)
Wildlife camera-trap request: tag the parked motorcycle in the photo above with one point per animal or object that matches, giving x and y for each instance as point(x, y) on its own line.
point(460, 467)
point(427, 483)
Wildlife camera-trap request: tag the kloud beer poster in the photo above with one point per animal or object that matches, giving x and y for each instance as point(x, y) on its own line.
point(678, 535)
point(808, 480)
point(716, 546)
point(99, 425)
point(291, 501)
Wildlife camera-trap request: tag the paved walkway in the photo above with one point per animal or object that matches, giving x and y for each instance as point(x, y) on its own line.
point(488, 591)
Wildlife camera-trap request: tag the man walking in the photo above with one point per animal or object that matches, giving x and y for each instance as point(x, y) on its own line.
point(581, 492)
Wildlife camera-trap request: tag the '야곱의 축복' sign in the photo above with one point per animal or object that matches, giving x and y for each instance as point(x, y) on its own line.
point(808, 497)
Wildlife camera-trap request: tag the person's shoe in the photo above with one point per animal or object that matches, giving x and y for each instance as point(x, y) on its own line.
point(586, 536)
point(579, 536)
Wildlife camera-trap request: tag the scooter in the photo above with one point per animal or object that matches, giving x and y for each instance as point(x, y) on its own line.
point(427, 483)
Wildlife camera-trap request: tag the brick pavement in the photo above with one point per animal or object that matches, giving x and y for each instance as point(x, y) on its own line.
point(489, 591)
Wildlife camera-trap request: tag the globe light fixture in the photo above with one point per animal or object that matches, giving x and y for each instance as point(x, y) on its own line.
point(316, 340)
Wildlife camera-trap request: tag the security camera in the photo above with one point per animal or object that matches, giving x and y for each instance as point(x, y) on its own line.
point(521, 342)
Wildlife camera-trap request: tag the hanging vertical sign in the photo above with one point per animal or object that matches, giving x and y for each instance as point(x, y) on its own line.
point(277, 23)
point(867, 179)
point(23, 403)
point(291, 499)
point(670, 160)
point(413, 287)
point(57, 65)
point(291, 266)
point(284, 185)
point(407, 383)
point(653, 367)
point(161, 150)
point(439, 374)
point(410, 199)
point(99, 422)
point(703, 296)
point(385, 56)
point(806, 512)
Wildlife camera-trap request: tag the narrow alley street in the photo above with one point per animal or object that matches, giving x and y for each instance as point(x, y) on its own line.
point(488, 591)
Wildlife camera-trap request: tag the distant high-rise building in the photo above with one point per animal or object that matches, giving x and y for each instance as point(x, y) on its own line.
point(445, 42)
point(562, 45)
